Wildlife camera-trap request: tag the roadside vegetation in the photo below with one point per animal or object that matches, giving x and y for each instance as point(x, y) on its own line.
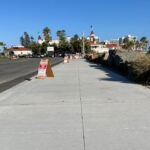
point(3, 57)
point(135, 65)
point(3, 45)
point(141, 69)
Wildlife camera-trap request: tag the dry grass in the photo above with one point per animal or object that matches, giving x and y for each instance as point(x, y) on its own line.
point(142, 64)
point(141, 68)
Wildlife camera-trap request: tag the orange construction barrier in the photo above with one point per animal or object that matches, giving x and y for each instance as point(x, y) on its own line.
point(66, 59)
point(71, 57)
point(45, 69)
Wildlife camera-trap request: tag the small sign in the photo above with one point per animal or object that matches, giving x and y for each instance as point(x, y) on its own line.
point(50, 49)
point(44, 69)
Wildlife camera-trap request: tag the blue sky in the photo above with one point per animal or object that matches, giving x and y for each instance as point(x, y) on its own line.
point(111, 18)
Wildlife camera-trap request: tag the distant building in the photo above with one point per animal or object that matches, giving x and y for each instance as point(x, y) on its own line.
point(93, 39)
point(106, 42)
point(68, 39)
point(95, 43)
point(54, 42)
point(40, 40)
point(96, 46)
point(129, 37)
point(114, 41)
point(111, 46)
point(18, 51)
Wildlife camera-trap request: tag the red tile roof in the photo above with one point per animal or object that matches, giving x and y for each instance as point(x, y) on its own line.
point(92, 42)
point(19, 49)
point(111, 45)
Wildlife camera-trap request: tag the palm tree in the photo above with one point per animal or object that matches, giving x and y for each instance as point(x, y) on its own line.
point(2, 44)
point(61, 34)
point(46, 31)
point(128, 44)
point(138, 45)
point(47, 36)
point(144, 42)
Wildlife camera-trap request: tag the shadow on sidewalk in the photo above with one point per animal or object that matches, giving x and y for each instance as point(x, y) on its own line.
point(112, 75)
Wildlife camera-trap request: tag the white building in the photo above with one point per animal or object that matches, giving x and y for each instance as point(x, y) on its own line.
point(99, 48)
point(54, 42)
point(129, 37)
point(68, 39)
point(114, 41)
point(19, 51)
point(106, 42)
point(40, 41)
point(95, 43)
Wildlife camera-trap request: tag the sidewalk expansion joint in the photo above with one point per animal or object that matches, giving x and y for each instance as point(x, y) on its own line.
point(81, 104)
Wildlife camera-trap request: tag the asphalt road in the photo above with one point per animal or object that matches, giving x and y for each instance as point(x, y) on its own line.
point(13, 72)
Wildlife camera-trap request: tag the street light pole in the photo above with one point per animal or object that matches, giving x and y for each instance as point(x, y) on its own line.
point(83, 49)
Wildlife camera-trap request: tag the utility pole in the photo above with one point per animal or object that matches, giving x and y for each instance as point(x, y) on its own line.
point(83, 49)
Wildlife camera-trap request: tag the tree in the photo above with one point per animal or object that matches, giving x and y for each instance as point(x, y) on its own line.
point(76, 37)
point(56, 47)
point(2, 44)
point(128, 44)
point(11, 53)
point(61, 34)
point(26, 40)
point(35, 47)
point(47, 36)
point(126, 41)
point(46, 31)
point(144, 42)
point(138, 45)
point(64, 46)
point(87, 47)
point(32, 39)
point(44, 48)
point(76, 43)
point(22, 40)
point(134, 40)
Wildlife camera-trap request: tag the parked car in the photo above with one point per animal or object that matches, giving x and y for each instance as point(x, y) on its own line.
point(36, 56)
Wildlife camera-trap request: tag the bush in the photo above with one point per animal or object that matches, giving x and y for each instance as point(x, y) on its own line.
point(141, 69)
point(135, 65)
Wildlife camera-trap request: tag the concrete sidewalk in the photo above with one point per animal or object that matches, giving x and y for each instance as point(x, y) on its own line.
point(85, 107)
